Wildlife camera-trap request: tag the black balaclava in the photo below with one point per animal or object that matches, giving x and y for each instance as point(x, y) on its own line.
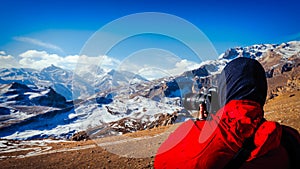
point(242, 79)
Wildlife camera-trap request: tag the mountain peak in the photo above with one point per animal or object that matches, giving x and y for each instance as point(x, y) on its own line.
point(256, 51)
point(52, 67)
point(16, 85)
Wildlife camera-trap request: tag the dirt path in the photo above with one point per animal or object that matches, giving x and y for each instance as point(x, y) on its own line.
point(134, 150)
point(137, 147)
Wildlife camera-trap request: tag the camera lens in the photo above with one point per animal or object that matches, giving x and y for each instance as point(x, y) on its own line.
point(192, 101)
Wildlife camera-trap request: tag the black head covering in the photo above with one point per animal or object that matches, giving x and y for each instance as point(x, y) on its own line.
point(242, 79)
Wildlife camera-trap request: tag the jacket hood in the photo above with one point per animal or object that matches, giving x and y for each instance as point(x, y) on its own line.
point(242, 79)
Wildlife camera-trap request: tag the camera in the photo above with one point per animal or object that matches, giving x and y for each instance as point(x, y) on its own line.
point(209, 97)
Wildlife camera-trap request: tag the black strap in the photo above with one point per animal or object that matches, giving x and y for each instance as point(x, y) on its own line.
point(292, 146)
point(287, 141)
point(242, 155)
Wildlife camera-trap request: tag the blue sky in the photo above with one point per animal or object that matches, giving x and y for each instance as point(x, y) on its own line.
point(62, 27)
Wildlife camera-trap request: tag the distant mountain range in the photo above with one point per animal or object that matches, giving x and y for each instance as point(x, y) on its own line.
point(92, 80)
point(39, 104)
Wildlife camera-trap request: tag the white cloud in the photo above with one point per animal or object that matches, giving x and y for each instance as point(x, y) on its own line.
point(104, 62)
point(41, 59)
point(8, 61)
point(184, 65)
point(39, 43)
point(180, 67)
point(108, 62)
point(156, 63)
point(160, 69)
point(154, 73)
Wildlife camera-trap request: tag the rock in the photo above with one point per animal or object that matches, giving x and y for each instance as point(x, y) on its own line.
point(80, 136)
point(292, 95)
point(230, 54)
point(127, 125)
point(287, 67)
point(269, 73)
point(51, 99)
point(109, 110)
point(104, 100)
point(4, 111)
point(272, 95)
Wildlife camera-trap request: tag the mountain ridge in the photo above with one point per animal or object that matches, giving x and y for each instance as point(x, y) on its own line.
point(129, 106)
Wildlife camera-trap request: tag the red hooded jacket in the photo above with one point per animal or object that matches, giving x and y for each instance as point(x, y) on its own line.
point(212, 144)
point(193, 145)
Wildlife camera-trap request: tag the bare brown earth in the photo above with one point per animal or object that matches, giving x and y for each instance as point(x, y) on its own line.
point(88, 154)
point(285, 109)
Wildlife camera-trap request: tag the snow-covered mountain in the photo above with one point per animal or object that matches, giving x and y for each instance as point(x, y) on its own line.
point(274, 57)
point(22, 75)
point(257, 51)
point(102, 80)
point(28, 113)
point(67, 83)
point(59, 79)
point(20, 94)
point(119, 102)
point(21, 106)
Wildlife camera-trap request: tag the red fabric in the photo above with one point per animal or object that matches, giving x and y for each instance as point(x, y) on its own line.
point(211, 144)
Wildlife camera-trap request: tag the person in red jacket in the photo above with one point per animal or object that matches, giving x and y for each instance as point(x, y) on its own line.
point(237, 136)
